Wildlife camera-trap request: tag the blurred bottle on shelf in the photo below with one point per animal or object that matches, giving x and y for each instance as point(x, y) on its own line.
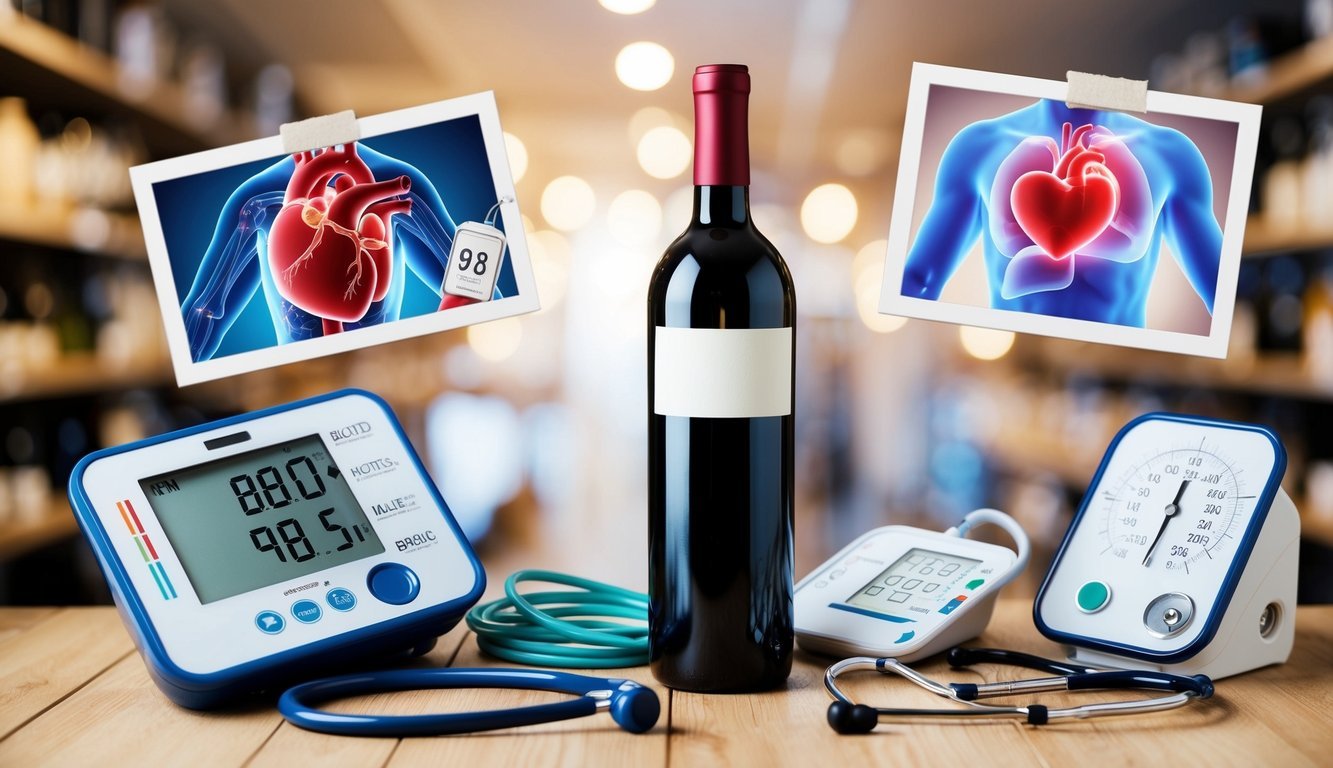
point(19, 142)
point(1317, 334)
point(204, 78)
point(145, 48)
point(1283, 183)
point(1279, 304)
point(82, 164)
point(274, 90)
point(1318, 18)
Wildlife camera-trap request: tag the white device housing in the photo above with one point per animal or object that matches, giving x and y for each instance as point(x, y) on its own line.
point(827, 623)
point(1239, 644)
point(361, 437)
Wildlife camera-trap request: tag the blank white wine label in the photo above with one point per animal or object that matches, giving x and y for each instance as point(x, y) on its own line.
point(722, 373)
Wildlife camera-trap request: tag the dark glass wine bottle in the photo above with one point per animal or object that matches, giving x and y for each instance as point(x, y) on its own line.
point(721, 340)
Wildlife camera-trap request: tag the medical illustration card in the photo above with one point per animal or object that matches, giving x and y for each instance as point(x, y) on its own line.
point(263, 256)
point(1014, 210)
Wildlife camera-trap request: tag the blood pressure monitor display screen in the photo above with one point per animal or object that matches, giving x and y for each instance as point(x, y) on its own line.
point(261, 518)
point(917, 582)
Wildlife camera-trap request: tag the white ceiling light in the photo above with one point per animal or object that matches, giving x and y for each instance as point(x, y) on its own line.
point(518, 156)
point(634, 217)
point(664, 152)
point(644, 66)
point(985, 343)
point(627, 7)
point(568, 203)
point(828, 213)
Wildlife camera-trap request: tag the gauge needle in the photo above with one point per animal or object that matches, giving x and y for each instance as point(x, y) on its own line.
point(1171, 511)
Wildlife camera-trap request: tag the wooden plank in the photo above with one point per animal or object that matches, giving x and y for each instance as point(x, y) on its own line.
point(16, 620)
point(587, 741)
point(121, 717)
point(53, 657)
point(293, 746)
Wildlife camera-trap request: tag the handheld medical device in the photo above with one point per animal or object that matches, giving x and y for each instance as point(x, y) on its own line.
point(847, 716)
point(905, 592)
point(267, 548)
point(1183, 554)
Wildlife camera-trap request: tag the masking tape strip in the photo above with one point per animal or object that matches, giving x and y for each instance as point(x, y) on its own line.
point(323, 131)
point(1090, 91)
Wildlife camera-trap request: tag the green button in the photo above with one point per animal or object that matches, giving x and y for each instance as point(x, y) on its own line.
point(973, 584)
point(1093, 596)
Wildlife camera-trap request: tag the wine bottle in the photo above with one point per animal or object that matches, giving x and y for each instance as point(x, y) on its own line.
point(721, 339)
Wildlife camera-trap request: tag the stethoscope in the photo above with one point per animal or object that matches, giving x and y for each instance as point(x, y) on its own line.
point(634, 707)
point(846, 716)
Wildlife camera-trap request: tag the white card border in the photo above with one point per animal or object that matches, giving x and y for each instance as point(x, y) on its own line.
point(188, 371)
point(892, 302)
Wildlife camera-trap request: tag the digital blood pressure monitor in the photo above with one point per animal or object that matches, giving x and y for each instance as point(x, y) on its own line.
point(905, 592)
point(259, 550)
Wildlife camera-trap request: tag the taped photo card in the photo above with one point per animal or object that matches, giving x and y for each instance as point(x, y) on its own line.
point(1016, 211)
point(274, 250)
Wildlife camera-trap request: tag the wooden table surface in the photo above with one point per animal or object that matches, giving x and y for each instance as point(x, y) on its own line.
point(74, 692)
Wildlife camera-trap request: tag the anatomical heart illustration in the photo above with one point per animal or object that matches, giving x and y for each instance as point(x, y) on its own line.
point(1054, 219)
point(272, 255)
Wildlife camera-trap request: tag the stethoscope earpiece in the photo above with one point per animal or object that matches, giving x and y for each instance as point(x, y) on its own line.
point(852, 718)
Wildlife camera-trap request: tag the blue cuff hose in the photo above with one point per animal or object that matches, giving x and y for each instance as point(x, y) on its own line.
point(574, 629)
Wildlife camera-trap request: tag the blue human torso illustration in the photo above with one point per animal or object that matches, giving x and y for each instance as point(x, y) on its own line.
point(416, 236)
point(1072, 207)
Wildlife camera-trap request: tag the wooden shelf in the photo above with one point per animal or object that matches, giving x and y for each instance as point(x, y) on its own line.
point(87, 230)
point(1287, 76)
point(18, 537)
point(1270, 374)
point(49, 68)
point(1074, 467)
point(79, 374)
point(1263, 239)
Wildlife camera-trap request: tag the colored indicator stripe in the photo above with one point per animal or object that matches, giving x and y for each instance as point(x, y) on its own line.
point(142, 551)
point(120, 505)
point(160, 574)
point(130, 507)
point(149, 544)
point(872, 614)
point(157, 576)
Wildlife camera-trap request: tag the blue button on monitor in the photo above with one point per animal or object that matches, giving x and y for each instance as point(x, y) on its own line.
point(270, 622)
point(306, 611)
point(393, 583)
point(340, 599)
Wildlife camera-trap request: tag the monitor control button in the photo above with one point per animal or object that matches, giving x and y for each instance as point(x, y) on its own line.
point(340, 599)
point(307, 611)
point(270, 622)
point(393, 583)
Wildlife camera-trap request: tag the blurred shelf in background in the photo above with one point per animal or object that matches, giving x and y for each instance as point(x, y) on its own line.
point(52, 69)
point(80, 374)
point(1289, 76)
point(82, 230)
point(19, 537)
point(1264, 239)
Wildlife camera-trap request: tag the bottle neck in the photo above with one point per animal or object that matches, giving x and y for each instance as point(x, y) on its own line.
point(722, 205)
point(721, 129)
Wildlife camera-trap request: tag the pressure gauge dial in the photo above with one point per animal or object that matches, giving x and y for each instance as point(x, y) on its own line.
point(1163, 537)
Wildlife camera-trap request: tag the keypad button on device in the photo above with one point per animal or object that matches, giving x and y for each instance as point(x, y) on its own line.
point(393, 583)
point(340, 599)
point(1093, 596)
point(270, 622)
point(307, 611)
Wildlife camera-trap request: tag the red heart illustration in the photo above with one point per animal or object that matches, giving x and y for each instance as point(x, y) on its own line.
point(329, 247)
point(1063, 215)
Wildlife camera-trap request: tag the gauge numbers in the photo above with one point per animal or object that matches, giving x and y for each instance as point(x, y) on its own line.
point(1172, 511)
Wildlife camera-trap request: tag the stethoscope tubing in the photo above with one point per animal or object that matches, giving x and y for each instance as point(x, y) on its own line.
point(1069, 677)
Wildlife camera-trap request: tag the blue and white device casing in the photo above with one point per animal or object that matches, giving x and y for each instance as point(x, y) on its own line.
point(205, 654)
point(1234, 592)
